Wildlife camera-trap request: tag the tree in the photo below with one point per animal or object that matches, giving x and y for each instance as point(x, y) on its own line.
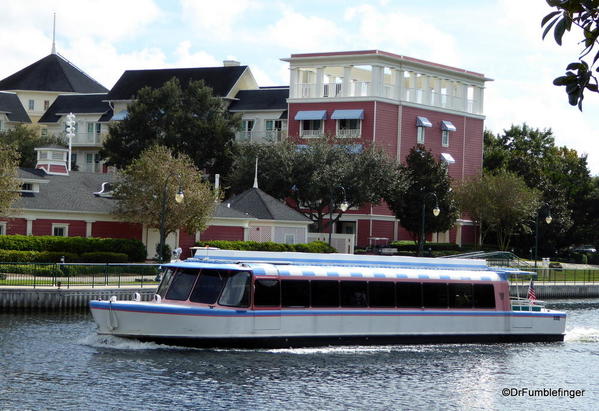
point(315, 176)
point(559, 173)
point(583, 14)
point(501, 203)
point(24, 140)
point(146, 191)
point(9, 184)
point(189, 120)
point(426, 176)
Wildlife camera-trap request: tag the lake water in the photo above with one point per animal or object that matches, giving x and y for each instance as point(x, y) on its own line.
point(55, 361)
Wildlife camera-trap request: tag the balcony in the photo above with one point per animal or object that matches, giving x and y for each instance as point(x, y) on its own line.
point(349, 133)
point(269, 136)
point(85, 139)
point(311, 133)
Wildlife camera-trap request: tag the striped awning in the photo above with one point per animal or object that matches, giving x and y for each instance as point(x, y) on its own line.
point(447, 126)
point(311, 115)
point(348, 115)
point(423, 122)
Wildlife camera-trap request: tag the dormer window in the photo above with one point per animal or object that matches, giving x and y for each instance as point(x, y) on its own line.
point(27, 187)
point(422, 123)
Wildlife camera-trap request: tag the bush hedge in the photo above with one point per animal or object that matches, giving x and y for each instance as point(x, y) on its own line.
point(12, 256)
point(313, 247)
point(134, 249)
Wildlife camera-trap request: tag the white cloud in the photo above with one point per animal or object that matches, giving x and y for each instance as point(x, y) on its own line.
point(184, 58)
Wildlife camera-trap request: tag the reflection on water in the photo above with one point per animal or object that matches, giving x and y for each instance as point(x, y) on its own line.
point(54, 361)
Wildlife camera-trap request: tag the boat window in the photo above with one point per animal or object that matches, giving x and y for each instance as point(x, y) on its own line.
point(434, 295)
point(484, 296)
point(409, 294)
point(267, 293)
point(167, 278)
point(208, 286)
point(181, 285)
point(460, 296)
point(325, 293)
point(295, 293)
point(237, 290)
point(353, 294)
point(381, 294)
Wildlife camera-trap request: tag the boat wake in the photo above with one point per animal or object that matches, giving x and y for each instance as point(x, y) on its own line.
point(582, 334)
point(117, 343)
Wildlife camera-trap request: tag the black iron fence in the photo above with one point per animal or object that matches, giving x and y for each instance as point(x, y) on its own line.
point(67, 275)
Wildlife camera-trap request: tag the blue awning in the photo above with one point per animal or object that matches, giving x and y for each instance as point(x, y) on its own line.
point(447, 125)
point(423, 122)
point(121, 115)
point(348, 115)
point(311, 115)
point(448, 158)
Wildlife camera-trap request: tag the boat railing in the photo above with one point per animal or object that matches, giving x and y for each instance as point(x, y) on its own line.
point(525, 304)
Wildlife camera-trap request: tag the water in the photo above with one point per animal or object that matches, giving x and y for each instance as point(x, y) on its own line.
point(56, 362)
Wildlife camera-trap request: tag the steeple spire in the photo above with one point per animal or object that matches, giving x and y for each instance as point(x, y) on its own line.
point(256, 174)
point(54, 35)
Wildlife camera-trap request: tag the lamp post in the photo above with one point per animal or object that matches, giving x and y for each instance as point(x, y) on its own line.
point(343, 207)
point(436, 212)
point(71, 130)
point(548, 220)
point(179, 197)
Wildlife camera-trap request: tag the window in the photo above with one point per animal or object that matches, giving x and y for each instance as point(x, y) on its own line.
point(325, 293)
point(2, 228)
point(267, 293)
point(167, 278)
point(445, 138)
point(295, 293)
point(289, 239)
point(246, 129)
point(180, 286)
point(409, 294)
point(381, 294)
point(60, 230)
point(434, 295)
point(46, 104)
point(354, 294)
point(44, 132)
point(274, 129)
point(420, 135)
point(460, 296)
point(27, 187)
point(311, 128)
point(484, 296)
point(208, 287)
point(349, 128)
point(92, 158)
point(237, 290)
point(31, 105)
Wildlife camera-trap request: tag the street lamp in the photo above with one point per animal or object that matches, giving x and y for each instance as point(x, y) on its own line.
point(436, 212)
point(548, 220)
point(343, 207)
point(179, 197)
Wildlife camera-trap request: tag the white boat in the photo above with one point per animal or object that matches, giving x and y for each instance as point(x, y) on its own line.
point(223, 298)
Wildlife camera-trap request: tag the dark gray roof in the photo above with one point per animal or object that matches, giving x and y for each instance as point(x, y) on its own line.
point(11, 105)
point(52, 73)
point(76, 104)
point(220, 79)
point(223, 211)
point(74, 192)
point(263, 206)
point(261, 99)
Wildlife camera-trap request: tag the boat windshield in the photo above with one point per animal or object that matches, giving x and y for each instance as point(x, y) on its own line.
point(237, 290)
point(167, 278)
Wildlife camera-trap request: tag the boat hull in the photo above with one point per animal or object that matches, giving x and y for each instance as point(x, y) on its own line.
point(214, 327)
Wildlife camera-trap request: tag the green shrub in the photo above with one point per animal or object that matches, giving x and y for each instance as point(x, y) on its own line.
point(313, 247)
point(134, 249)
point(55, 257)
point(48, 270)
point(17, 256)
point(103, 257)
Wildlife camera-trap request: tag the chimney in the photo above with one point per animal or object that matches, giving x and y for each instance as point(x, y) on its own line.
point(230, 63)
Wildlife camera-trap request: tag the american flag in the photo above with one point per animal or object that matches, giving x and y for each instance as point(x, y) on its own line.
point(531, 291)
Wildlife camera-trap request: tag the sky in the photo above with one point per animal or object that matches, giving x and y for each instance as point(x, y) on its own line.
point(500, 38)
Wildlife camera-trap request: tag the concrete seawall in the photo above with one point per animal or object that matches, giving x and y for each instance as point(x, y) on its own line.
point(549, 291)
point(71, 299)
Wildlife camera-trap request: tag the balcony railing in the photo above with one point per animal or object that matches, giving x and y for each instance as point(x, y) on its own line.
point(365, 89)
point(311, 133)
point(269, 136)
point(86, 139)
point(349, 133)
